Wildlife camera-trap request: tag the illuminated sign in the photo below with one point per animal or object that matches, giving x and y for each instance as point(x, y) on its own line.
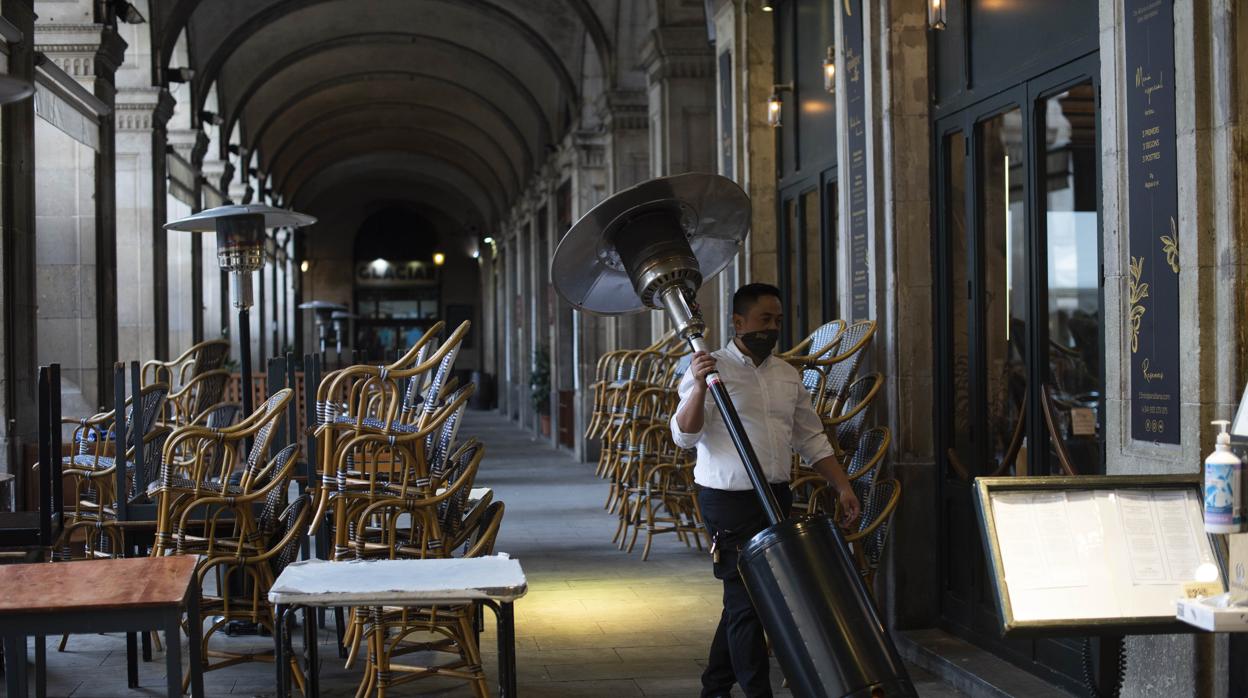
point(383, 272)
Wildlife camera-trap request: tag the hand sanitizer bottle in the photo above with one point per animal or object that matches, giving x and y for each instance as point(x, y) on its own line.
point(1224, 509)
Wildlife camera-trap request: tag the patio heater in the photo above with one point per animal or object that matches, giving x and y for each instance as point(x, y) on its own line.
point(240, 251)
point(340, 318)
point(651, 247)
point(324, 315)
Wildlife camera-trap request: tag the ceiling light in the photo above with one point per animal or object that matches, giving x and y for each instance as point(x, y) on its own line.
point(304, 266)
point(439, 259)
point(767, 6)
point(937, 14)
point(380, 264)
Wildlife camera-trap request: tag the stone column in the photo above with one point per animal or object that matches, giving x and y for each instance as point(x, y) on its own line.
point(91, 54)
point(680, 71)
point(625, 118)
point(18, 417)
point(141, 185)
point(589, 332)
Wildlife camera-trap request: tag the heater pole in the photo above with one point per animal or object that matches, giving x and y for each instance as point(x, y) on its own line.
point(690, 326)
point(244, 356)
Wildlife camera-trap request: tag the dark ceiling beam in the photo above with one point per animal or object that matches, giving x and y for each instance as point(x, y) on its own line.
point(366, 193)
point(345, 148)
point(256, 142)
point(243, 32)
point(314, 128)
point(290, 60)
point(344, 176)
point(385, 140)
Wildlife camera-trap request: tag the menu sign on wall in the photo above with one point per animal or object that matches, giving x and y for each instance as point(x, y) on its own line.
point(1152, 217)
point(856, 115)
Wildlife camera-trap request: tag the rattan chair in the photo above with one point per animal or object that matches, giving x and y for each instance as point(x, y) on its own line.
point(393, 633)
point(847, 424)
point(867, 543)
point(197, 395)
point(841, 366)
point(201, 358)
point(813, 494)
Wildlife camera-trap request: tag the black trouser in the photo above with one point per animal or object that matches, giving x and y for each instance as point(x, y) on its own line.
point(739, 650)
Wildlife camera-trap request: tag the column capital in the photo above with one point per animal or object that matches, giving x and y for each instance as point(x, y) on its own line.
point(139, 108)
point(677, 52)
point(624, 110)
point(83, 51)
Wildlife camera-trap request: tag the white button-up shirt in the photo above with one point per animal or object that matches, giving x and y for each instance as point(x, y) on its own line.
point(775, 410)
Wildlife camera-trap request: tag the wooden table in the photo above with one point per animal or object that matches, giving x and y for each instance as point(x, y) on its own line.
point(96, 596)
point(495, 581)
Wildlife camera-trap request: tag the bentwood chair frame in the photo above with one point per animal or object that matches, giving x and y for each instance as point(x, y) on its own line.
point(206, 356)
point(816, 345)
point(867, 543)
point(846, 426)
point(200, 462)
point(813, 493)
point(841, 367)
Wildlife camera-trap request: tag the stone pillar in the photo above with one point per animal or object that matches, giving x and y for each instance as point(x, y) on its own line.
point(91, 54)
point(755, 67)
point(625, 117)
point(18, 419)
point(680, 71)
point(141, 186)
point(589, 332)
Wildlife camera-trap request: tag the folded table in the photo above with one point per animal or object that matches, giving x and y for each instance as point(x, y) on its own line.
point(495, 581)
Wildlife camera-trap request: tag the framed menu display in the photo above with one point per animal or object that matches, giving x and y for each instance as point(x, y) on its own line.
point(1094, 555)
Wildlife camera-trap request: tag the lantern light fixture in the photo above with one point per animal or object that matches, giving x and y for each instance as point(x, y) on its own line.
point(439, 259)
point(775, 104)
point(937, 14)
point(829, 70)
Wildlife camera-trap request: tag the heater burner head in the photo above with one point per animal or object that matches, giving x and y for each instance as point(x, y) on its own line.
point(206, 221)
point(669, 231)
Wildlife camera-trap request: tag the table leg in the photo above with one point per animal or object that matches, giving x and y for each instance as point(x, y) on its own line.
point(506, 650)
point(145, 642)
point(194, 641)
point(15, 665)
point(340, 630)
point(132, 660)
point(173, 653)
point(41, 666)
point(279, 651)
point(312, 652)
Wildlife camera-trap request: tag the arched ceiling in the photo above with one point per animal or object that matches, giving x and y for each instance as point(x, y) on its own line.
point(447, 104)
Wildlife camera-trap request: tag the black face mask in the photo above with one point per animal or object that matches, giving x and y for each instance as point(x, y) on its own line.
point(760, 343)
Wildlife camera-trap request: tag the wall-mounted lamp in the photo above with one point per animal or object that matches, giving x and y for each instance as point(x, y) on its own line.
point(829, 70)
point(775, 104)
point(438, 259)
point(937, 14)
point(304, 266)
point(767, 6)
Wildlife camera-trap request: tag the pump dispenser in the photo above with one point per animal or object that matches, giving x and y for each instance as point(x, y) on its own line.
point(1224, 507)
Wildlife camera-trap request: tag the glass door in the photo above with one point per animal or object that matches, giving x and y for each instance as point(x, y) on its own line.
point(1019, 335)
point(807, 259)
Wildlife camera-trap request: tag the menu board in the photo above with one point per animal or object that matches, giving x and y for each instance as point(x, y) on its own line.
point(1152, 221)
point(856, 142)
point(1075, 558)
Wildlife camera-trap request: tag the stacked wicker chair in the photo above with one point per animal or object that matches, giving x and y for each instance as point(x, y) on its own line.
point(91, 472)
point(650, 481)
point(396, 481)
point(843, 398)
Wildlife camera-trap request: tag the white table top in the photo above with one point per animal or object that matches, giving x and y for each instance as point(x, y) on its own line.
point(399, 582)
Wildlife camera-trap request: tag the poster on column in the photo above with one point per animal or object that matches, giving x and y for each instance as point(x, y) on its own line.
point(856, 142)
point(1152, 218)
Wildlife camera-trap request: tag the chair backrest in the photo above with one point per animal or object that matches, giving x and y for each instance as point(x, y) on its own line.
point(151, 401)
point(270, 414)
point(438, 445)
point(854, 408)
point(289, 532)
point(877, 515)
point(486, 535)
point(208, 390)
point(868, 459)
point(209, 356)
point(843, 366)
point(825, 339)
point(451, 511)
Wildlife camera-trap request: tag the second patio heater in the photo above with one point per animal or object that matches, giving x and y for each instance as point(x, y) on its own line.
point(650, 247)
point(240, 251)
point(324, 316)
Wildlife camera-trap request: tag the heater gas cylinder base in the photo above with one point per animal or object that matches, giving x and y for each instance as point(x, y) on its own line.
point(825, 631)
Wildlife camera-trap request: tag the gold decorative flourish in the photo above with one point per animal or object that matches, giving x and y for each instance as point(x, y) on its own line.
point(1170, 245)
point(1137, 292)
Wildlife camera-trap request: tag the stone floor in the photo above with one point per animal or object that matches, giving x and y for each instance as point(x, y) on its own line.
point(596, 622)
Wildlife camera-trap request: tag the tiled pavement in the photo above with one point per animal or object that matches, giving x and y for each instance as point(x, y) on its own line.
point(596, 621)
